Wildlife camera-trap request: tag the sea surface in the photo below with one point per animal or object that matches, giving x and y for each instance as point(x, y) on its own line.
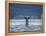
point(19, 25)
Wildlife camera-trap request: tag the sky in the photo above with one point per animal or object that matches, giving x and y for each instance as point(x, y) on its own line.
point(19, 11)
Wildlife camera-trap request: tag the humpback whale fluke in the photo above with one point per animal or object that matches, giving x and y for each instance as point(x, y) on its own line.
point(27, 17)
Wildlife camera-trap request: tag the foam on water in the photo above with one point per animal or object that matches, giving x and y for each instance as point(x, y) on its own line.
point(18, 25)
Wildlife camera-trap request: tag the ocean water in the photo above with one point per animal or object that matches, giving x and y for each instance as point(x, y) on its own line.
point(19, 25)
